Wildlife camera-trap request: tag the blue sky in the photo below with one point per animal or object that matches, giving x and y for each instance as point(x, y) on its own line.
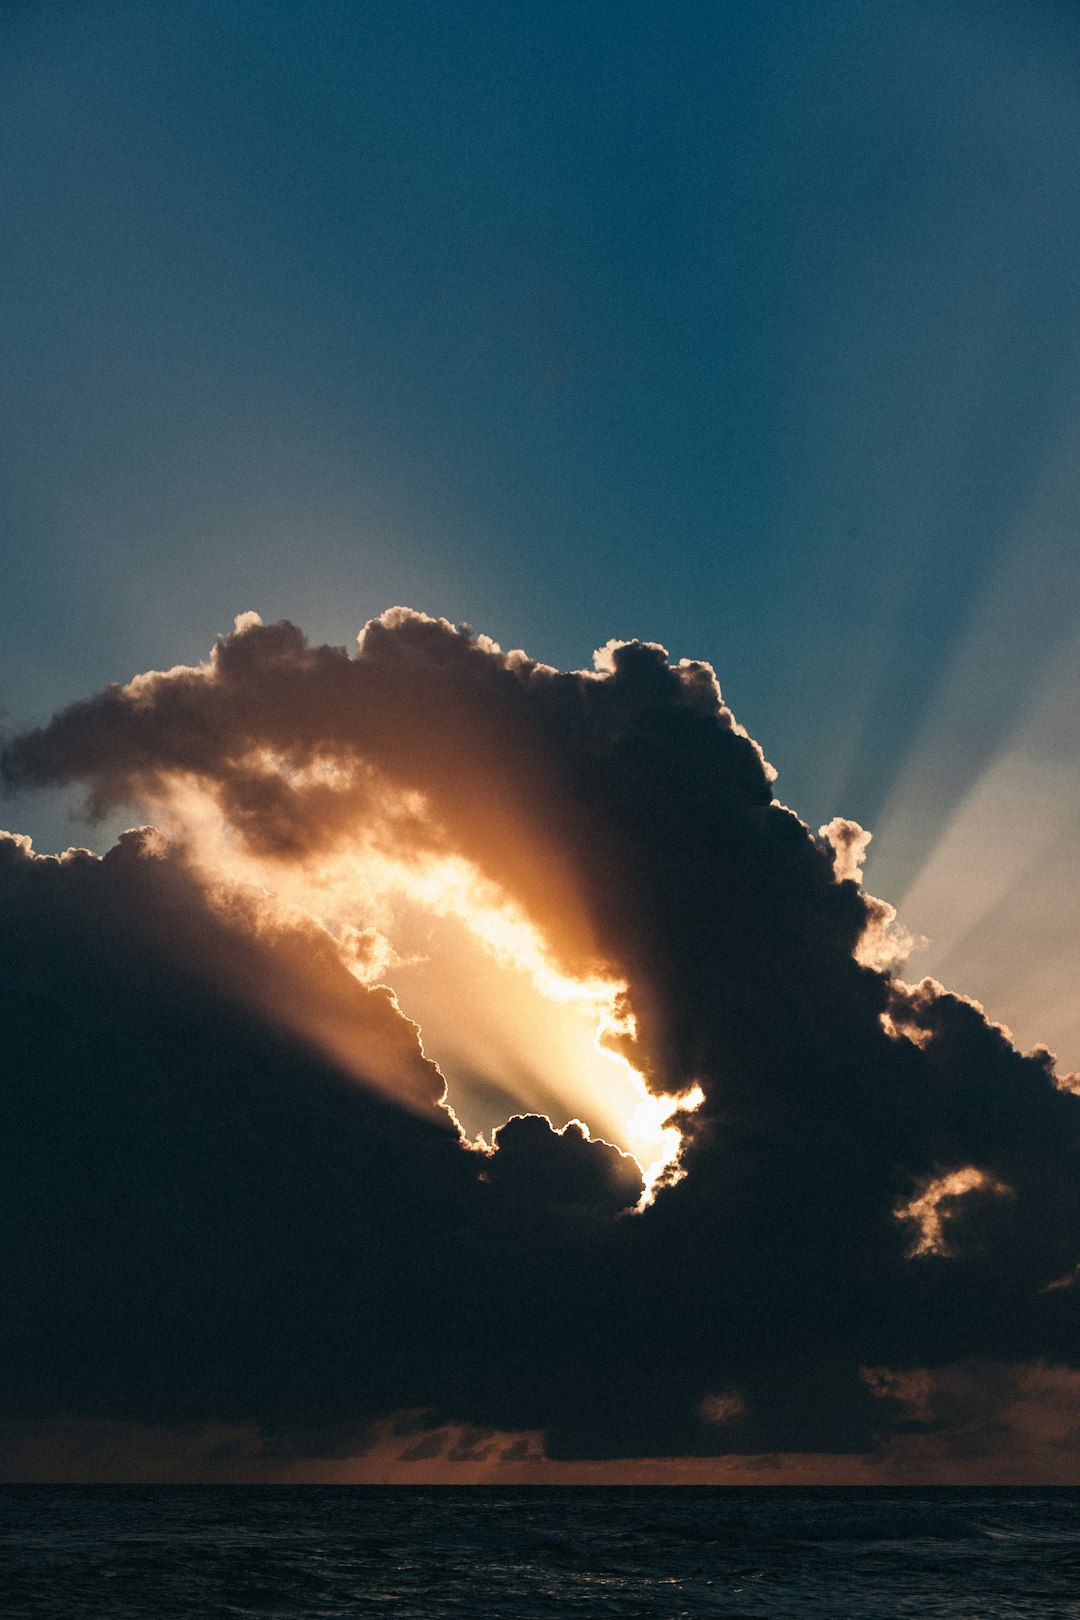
point(753, 329)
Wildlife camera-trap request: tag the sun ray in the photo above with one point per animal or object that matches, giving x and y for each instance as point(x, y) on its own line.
point(442, 935)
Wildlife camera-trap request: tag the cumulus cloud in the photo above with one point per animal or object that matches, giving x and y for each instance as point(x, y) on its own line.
point(238, 1194)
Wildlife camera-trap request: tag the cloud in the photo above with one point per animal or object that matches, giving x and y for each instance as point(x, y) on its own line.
point(207, 1214)
point(221, 1212)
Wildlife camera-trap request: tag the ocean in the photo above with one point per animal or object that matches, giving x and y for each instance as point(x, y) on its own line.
point(120, 1552)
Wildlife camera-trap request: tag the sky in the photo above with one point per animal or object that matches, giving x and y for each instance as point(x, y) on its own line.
point(751, 331)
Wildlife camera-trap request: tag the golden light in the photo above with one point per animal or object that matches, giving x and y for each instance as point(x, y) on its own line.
point(510, 1028)
point(931, 1207)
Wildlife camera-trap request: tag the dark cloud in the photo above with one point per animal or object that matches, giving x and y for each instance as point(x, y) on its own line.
point(539, 1169)
point(202, 1213)
point(422, 1450)
point(215, 1210)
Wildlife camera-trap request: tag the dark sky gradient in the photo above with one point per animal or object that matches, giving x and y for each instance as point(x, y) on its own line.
point(748, 328)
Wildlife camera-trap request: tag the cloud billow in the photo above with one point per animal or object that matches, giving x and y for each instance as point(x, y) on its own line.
point(219, 1210)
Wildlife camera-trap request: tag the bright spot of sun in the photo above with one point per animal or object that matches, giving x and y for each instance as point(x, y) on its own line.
point(452, 887)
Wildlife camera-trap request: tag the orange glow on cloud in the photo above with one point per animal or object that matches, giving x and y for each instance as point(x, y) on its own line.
point(930, 1207)
point(445, 938)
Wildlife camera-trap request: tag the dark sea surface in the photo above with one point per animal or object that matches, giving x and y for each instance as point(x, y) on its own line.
point(120, 1551)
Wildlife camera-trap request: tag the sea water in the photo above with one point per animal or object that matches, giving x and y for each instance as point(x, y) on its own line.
point(423, 1553)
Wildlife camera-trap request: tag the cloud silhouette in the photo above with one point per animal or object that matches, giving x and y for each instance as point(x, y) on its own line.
point(237, 1195)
